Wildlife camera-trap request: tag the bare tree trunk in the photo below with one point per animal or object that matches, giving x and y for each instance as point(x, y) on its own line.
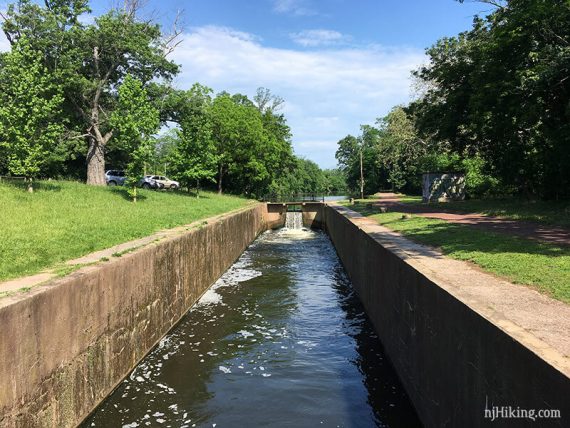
point(197, 189)
point(95, 163)
point(31, 185)
point(220, 173)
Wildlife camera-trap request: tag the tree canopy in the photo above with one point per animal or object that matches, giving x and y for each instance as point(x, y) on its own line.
point(78, 97)
point(495, 104)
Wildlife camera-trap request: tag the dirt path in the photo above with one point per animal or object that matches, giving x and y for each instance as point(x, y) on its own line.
point(524, 229)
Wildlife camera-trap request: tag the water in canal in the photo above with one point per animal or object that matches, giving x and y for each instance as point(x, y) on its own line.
point(279, 341)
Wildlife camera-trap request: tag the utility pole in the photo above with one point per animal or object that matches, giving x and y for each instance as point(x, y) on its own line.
point(361, 175)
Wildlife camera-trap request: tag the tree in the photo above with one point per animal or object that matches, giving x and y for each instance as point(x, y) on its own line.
point(501, 93)
point(334, 181)
point(300, 176)
point(194, 157)
point(240, 141)
point(135, 121)
point(265, 101)
point(90, 62)
point(358, 160)
point(30, 112)
point(399, 149)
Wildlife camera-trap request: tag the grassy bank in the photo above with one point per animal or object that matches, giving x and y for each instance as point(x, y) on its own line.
point(65, 220)
point(543, 266)
point(556, 213)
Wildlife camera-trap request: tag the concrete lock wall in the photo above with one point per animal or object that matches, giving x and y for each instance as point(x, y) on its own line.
point(450, 359)
point(65, 345)
point(313, 214)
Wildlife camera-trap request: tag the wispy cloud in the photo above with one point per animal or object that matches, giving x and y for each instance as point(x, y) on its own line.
point(328, 92)
point(314, 38)
point(4, 44)
point(294, 7)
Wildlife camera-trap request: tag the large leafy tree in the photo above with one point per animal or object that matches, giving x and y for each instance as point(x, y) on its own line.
point(501, 92)
point(31, 122)
point(399, 148)
point(358, 160)
point(301, 176)
point(240, 141)
point(194, 158)
point(334, 182)
point(135, 121)
point(92, 61)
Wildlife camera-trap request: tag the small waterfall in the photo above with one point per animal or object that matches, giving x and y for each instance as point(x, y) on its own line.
point(294, 220)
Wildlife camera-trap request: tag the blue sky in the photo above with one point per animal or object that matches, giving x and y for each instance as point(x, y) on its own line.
point(337, 63)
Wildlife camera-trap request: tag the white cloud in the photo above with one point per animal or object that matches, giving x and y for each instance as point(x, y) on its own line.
point(4, 44)
point(328, 93)
point(313, 38)
point(294, 7)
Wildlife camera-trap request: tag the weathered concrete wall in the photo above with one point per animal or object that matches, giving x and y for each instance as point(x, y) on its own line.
point(276, 215)
point(450, 358)
point(65, 345)
point(313, 214)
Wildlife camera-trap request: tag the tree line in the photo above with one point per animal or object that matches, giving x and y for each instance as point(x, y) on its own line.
point(493, 102)
point(78, 98)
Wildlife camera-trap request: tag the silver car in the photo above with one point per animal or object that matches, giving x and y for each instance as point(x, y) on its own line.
point(147, 182)
point(115, 177)
point(165, 181)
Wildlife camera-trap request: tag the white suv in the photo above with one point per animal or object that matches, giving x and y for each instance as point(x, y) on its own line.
point(166, 182)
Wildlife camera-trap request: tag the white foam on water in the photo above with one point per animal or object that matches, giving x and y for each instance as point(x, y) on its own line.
point(224, 369)
point(239, 272)
point(210, 297)
point(285, 235)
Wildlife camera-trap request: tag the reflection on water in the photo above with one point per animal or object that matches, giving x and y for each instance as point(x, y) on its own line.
point(280, 340)
point(332, 198)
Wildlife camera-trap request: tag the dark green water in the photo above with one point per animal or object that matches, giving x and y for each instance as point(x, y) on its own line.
point(280, 341)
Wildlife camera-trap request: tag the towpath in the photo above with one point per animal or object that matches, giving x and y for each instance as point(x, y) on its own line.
point(525, 229)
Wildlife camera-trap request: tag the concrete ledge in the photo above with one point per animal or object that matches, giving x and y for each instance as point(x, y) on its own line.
point(460, 340)
point(66, 344)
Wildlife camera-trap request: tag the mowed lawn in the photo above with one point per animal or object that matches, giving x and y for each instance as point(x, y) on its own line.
point(545, 267)
point(64, 220)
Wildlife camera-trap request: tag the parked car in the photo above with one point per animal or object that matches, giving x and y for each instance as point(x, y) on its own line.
point(167, 182)
point(147, 182)
point(115, 177)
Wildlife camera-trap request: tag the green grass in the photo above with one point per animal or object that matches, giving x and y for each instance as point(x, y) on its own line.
point(556, 213)
point(543, 266)
point(65, 220)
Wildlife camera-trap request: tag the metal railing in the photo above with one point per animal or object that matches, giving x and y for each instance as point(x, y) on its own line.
point(297, 197)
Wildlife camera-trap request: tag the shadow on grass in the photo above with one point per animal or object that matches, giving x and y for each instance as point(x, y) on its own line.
point(556, 213)
point(41, 186)
point(364, 208)
point(190, 194)
point(123, 192)
point(455, 238)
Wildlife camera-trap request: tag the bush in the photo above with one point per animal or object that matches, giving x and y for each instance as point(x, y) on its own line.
point(478, 183)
